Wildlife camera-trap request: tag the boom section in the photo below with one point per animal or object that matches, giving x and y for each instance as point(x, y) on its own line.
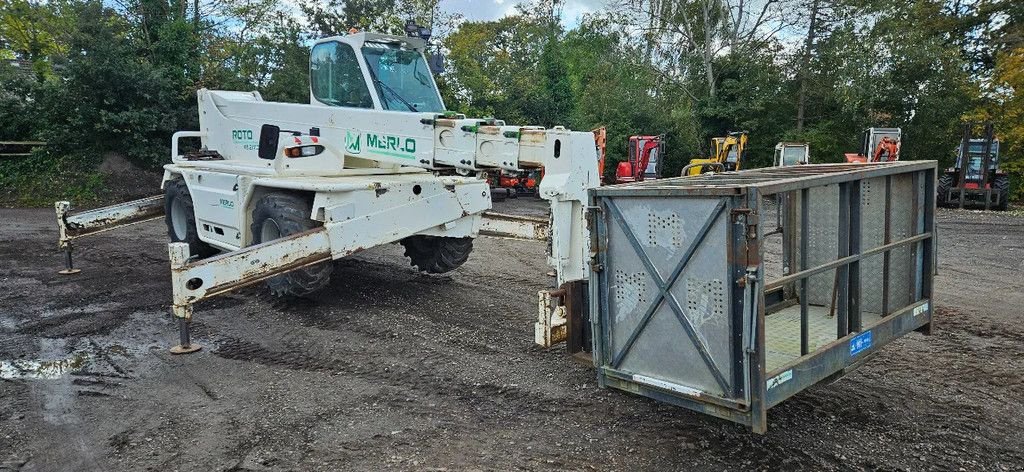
point(359, 138)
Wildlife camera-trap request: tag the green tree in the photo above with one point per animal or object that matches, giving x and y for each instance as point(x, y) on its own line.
point(492, 68)
point(117, 95)
point(36, 31)
point(17, 111)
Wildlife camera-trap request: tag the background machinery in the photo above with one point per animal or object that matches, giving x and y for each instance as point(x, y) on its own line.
point(789, 154)
point(879, 145)
point(728, 155)
point(975, 178)
point(644, 159)
point(505, 184)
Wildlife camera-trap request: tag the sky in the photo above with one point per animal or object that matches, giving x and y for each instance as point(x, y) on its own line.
point(485, 10)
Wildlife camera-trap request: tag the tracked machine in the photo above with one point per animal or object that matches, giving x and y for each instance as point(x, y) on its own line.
point(662, 284)
point(729, 151)
point(643, 161)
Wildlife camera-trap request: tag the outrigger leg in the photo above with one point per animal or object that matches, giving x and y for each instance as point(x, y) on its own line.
point(65, 242)
point(179, 255)
point(99, 220)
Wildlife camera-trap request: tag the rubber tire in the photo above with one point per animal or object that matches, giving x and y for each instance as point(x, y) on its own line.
point(291, 214)
point(942, 189)
point(176, 190)
point(1001, 183)
point(437, 254)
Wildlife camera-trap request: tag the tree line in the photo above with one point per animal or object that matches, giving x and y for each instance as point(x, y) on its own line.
point(91, 77)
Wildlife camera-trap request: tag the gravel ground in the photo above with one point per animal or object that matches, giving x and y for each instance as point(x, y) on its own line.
point(389, 368)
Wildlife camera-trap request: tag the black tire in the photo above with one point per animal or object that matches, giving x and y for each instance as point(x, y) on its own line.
point(287, 214)
point(436, 254)
point(180, 218)
point(942, 189)
point(1001, 184)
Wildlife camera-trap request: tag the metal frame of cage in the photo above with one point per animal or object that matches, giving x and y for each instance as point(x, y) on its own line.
point(679, 313)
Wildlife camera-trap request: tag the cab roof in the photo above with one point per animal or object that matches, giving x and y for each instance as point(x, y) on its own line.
point(357, 40)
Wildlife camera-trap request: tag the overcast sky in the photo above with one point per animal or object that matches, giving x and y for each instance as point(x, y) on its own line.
point(483, 10)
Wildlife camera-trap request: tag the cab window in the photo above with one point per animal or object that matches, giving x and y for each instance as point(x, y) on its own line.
point(335, 77)
point(402, 78)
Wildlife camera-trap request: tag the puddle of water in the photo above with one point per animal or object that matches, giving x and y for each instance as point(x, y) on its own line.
point(53, 362)
point(48, 369)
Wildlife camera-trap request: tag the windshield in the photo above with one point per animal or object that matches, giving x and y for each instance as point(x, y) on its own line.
point(792, 155)
point(976, 151)
point(402, 78)
point(974, 168)
point(652, 163)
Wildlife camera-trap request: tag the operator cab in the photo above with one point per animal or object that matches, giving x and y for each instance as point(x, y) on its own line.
point(732, 146)
point(377, 71)
point(975, 156)
point(789, 154)
point(879, 145)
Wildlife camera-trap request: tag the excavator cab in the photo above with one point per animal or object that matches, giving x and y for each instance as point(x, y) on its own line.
point(879, 145)
point(644, 160)
point(728, 155)
point(790, 154)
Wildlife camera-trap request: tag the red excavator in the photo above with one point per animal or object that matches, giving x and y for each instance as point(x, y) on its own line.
point(506, 184)
point(880, 145)
point(644, 159)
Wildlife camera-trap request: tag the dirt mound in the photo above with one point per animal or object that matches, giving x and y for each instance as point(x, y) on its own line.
point(126, 181)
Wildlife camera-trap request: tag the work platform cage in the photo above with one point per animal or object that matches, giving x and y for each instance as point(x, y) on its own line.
point(729, 293)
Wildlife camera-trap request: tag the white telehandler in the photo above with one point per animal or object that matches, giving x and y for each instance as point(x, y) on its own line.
point(276, 191)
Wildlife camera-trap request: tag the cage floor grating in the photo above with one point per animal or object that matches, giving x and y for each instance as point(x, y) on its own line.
point(782, 332)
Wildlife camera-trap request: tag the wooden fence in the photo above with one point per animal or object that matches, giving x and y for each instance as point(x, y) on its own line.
point(17, 149)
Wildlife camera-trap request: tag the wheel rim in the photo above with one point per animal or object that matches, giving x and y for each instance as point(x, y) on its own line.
point(179, 219)
point(269, 231)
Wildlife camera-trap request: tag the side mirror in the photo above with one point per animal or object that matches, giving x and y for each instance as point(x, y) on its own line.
point(270, 137)
point(436, 63)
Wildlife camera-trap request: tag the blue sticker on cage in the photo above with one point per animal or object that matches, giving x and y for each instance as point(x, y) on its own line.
point(860, 342)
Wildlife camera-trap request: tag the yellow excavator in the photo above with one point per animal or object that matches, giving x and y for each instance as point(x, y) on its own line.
point(728, 155)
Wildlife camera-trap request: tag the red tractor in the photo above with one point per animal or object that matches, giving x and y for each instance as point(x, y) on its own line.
point(644, 159)
point(975, 178)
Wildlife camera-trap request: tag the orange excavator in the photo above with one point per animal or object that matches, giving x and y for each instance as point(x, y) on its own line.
point(506, 184)
point(880, 145)
point(644, 159)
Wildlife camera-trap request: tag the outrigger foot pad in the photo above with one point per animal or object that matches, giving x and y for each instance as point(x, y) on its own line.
point(69, 267)
point(185, 345)
point(185, 349)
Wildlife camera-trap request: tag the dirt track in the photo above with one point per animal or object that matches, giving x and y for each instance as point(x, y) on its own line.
point(392, 369)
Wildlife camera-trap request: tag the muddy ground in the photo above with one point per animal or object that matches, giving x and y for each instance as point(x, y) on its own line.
point(392, 369)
